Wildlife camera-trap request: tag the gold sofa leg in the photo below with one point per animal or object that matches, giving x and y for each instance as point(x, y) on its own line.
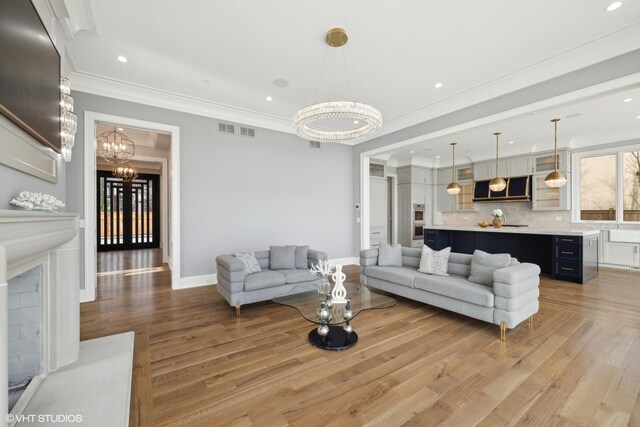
point(237, 309)
point(530, 320)
point(503, 331)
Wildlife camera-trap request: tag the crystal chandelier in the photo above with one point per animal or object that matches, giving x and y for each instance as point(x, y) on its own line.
point(68, 120)
point(125, 171)
point(115, 147)
point(556, 178)
point(366, 116)
point(497, 184)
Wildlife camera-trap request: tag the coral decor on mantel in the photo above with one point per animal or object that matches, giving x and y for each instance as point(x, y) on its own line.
point(37, 201)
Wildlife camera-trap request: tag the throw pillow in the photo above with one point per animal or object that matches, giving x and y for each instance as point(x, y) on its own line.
point(251, 264)
point(484, 264)
point(434, 262)
point(389, 256)
point(302, 257)
point(282, 257)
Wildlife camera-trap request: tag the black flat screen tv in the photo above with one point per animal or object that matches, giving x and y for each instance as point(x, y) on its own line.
point(29, 73)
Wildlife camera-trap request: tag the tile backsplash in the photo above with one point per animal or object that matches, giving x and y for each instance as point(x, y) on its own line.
point(521, 213)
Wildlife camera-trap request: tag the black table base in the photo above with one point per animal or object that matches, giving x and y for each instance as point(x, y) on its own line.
point(336, 339)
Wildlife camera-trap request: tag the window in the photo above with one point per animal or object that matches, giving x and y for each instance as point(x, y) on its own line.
point(608, 186)
point(598, 188)
point(631, 186)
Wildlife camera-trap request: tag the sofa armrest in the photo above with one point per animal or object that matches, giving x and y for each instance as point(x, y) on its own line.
point(368, 257)
point(509, 282)
point(314, 256)
point(230, 263)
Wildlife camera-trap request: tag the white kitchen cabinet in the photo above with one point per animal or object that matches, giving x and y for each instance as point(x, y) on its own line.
point(550, 199)
point(378, 213)
point(620, 253)
point(404, 214)
point(547, 162)
point(444, 176)
point(513, 166)
point(446, 202)
point(464, 173)
point(464, 200)
point(420, 175)
point(418, 194)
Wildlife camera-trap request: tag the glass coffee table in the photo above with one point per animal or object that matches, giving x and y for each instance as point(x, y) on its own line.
point(335, 331)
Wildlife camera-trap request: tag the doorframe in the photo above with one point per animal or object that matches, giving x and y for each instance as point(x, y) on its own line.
point(90, 239)
point(394, 207)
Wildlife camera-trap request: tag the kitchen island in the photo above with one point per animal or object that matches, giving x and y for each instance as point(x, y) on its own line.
point(570, 255)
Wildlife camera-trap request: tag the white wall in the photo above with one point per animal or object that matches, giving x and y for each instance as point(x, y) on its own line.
point(240, 193)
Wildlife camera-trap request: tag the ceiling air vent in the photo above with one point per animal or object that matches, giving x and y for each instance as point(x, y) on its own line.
point(314, 144)
point(226, 128)
point(251, 133)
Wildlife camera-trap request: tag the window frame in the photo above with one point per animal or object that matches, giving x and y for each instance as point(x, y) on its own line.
point(575, 183)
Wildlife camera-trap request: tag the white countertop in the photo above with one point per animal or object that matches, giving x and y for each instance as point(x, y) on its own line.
point(516, 230)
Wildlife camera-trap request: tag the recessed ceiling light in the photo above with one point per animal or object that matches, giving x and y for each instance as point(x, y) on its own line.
point(628, 100)
point(122, 59)
point(269, 98)
point(574, 115)
point(438, 85)
point(412, 151)
point(511, 142)
point(120, 129)
point(637, 117)
point(437, 157)
point(613, 6)
point(355, 122)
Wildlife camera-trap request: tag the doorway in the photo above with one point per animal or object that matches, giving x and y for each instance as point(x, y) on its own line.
point(128, 212)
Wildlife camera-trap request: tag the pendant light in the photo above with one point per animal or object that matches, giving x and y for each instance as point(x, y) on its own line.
point(556, 178)
point(497, 183)
point(125, 171)
point(453, 188)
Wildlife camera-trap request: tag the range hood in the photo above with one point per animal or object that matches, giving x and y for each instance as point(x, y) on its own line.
point(518, 190)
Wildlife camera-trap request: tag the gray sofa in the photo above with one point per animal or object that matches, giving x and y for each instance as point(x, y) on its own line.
point(512, 298)
point(239, 287)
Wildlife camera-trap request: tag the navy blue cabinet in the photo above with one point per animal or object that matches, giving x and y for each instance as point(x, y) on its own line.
point(569, 258)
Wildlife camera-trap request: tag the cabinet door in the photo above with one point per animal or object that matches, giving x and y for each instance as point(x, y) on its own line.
point(619, 253)
point(404, 214)
point(465, 198)
point(418, 194)
point(483, 171)
point(378, 203)
point(549, 199)
point(444, 176)
point(519, 166)
point(446, 202)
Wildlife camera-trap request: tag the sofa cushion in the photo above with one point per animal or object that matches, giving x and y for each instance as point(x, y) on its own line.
point(263, 259)
point(459, 264)
point(263, 279)
point(298, 275)
point(434, 262)
point(400, 275)
point(484, 264)
point(249, 261)
point(282, 257)
point(302, 257)
point(456, 287)
point(390, 256)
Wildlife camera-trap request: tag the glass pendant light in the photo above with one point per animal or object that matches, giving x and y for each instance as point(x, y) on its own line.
point(555, 179)
point(497, 183)
point(453, 188)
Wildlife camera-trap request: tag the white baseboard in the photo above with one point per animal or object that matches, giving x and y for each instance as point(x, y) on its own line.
point(345, 261)
point(84, 297)
point(619, 267)
point(195, 281)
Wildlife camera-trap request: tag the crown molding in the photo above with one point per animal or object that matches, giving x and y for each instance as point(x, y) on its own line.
point(112, 88)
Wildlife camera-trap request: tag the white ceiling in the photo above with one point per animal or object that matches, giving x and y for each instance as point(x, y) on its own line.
point(221, 58)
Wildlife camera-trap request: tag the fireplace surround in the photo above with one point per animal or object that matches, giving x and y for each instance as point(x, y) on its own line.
point(50, 241)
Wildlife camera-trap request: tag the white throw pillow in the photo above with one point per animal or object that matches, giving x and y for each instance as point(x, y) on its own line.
point(251, 264)
point(434, 262)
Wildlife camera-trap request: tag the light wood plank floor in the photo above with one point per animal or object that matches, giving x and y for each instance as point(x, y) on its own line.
point(196, 364)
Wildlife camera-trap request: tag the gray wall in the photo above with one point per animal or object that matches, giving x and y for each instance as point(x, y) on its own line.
point(239, 193)
point(602, 72)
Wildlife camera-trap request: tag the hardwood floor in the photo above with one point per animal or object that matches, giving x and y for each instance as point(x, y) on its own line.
point(196, 364)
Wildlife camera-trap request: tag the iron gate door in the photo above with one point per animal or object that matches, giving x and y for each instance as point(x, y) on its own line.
point(128, 212)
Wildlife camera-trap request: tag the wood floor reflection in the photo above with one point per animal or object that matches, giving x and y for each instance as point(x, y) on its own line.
point(196, 364)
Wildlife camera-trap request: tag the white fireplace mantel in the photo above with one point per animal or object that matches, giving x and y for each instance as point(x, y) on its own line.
point(29, 239)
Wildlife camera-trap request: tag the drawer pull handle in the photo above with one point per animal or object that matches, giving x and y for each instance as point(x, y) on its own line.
point(567, 268)
point(566, 253)
point(376, 232)
point(567, 240)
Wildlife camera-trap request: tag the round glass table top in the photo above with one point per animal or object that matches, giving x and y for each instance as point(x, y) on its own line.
point(308, 302)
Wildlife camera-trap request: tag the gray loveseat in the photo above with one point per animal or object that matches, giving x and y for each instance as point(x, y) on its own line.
point(512, 298)
point(239, 287)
